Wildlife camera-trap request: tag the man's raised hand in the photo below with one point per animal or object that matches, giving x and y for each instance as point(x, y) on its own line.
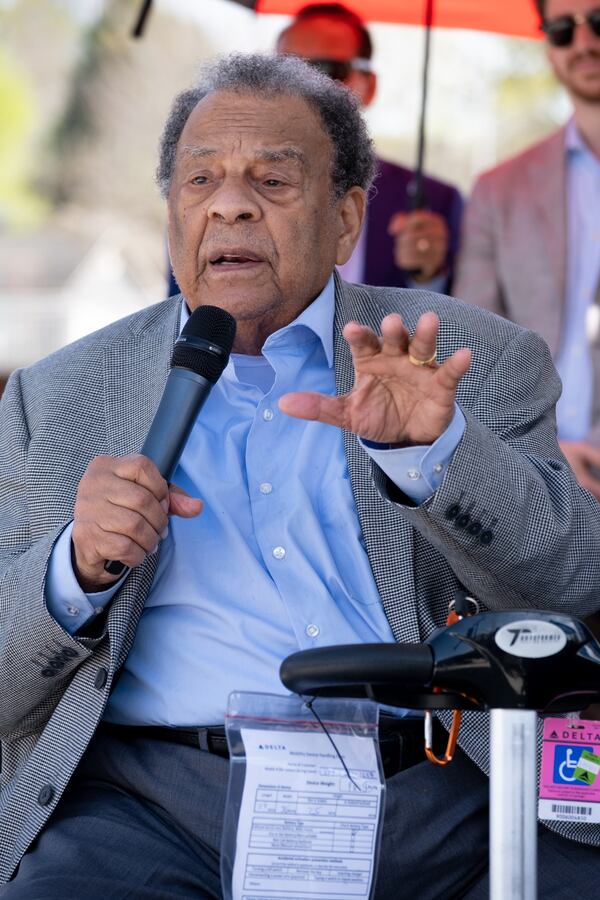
point(400, 395)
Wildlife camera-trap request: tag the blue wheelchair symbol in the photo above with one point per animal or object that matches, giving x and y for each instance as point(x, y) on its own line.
point(566, 759)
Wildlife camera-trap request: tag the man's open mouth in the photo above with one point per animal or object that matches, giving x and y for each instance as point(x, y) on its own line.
point(233, 259)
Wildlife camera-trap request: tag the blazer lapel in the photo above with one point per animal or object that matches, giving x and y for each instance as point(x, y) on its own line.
point(548, 193)
point(134, 379)
point(388, 537)
point(134, 382)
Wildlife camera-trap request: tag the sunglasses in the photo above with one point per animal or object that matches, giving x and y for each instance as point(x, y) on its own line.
point(560, 31)
point(339, 69)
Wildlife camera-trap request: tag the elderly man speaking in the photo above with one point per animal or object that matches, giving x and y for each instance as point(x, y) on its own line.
point(441, 469)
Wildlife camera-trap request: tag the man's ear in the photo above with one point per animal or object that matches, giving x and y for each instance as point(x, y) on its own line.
point(370, 88)
point(364, 85)
point(352, 208)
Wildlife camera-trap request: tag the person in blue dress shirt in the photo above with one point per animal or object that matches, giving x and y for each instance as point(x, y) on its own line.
point(365, 453)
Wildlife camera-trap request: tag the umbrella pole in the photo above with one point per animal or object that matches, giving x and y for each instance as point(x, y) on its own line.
point(416, 187)
point(138, 28)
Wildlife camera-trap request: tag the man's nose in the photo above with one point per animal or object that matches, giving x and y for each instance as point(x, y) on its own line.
point(234, 202)
point(584, 37)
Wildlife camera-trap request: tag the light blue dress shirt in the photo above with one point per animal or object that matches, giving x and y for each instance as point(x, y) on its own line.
point(275, 563)
point(574, 409)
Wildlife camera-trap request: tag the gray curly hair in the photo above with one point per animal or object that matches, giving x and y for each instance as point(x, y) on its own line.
point(269, 76)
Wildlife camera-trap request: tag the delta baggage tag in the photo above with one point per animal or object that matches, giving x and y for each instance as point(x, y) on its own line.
point(570, 773)
point(305, 806)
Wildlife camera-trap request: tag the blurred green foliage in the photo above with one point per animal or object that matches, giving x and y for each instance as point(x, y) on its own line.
point(20, 205)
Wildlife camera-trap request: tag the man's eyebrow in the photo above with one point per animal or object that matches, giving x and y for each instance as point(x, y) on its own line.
point(274, 156)
point(189, 150)
point(281, 155)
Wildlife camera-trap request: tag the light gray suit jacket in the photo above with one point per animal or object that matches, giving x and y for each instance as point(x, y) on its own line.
point(513, 255)
point(99, 395)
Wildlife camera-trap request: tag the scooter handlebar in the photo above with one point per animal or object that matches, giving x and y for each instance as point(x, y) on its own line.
point(311, 671)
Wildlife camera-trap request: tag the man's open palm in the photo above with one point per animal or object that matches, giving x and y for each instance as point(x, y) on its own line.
point(394, 399)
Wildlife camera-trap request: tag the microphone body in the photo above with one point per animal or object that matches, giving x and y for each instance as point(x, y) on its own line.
point(184, 396)
point(200, 355)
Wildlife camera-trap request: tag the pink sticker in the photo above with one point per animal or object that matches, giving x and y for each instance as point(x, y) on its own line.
point(570, 774)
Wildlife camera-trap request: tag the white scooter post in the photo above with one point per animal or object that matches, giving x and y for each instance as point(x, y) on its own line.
point(513, 805)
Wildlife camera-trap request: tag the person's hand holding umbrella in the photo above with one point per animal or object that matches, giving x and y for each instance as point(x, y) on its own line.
point(420, 243)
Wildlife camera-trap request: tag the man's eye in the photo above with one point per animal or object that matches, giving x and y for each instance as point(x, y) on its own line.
point(199, 179)
point(273, 182)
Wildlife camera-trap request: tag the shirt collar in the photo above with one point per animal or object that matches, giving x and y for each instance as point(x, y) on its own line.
point(574, 143)
point(318, 317)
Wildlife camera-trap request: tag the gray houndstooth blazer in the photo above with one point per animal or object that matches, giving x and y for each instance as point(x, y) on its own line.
point(542, 544)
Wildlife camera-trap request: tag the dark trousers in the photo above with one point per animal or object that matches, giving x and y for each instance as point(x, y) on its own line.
point(142, 820)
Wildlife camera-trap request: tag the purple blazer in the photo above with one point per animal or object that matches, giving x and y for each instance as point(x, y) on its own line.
point(388, 196)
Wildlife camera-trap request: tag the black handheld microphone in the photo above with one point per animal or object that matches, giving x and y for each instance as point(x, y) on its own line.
point(200, 355)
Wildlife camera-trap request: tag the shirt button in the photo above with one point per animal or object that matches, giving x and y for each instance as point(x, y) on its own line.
point(312, 630)
point(279, 552)
point(438, 468)
point(268, 414)
point(266, 487)
point(73, 610)
point(98, 610)
point(413, 474)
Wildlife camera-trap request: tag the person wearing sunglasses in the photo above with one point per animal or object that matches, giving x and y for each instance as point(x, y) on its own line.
point(531, 238)
point(560, 31)
point(398, 247)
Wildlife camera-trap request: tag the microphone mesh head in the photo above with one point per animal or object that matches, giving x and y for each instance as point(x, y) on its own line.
point(205, 343)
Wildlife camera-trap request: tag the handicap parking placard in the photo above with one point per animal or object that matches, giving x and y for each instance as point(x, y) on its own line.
point(570, 772)
point(566, 761)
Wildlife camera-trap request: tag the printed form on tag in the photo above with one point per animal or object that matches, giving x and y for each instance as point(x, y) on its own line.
point(305, 828)
point(570, 774)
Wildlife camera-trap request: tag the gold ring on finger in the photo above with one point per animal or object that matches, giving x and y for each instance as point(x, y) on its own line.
point(423, 362)
point(423, 245)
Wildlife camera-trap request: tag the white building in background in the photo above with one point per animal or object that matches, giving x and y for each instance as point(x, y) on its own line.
point(85, 288)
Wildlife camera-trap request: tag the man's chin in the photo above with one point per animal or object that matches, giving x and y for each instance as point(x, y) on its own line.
point(587, 94)
point(241, 300)
point(585, 87)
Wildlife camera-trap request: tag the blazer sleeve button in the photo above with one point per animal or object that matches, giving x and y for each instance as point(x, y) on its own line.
point(452, 511)
point(486, 537)
point(474, 528)
point(101, 678)
point(463, 521)
point(45, 795)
